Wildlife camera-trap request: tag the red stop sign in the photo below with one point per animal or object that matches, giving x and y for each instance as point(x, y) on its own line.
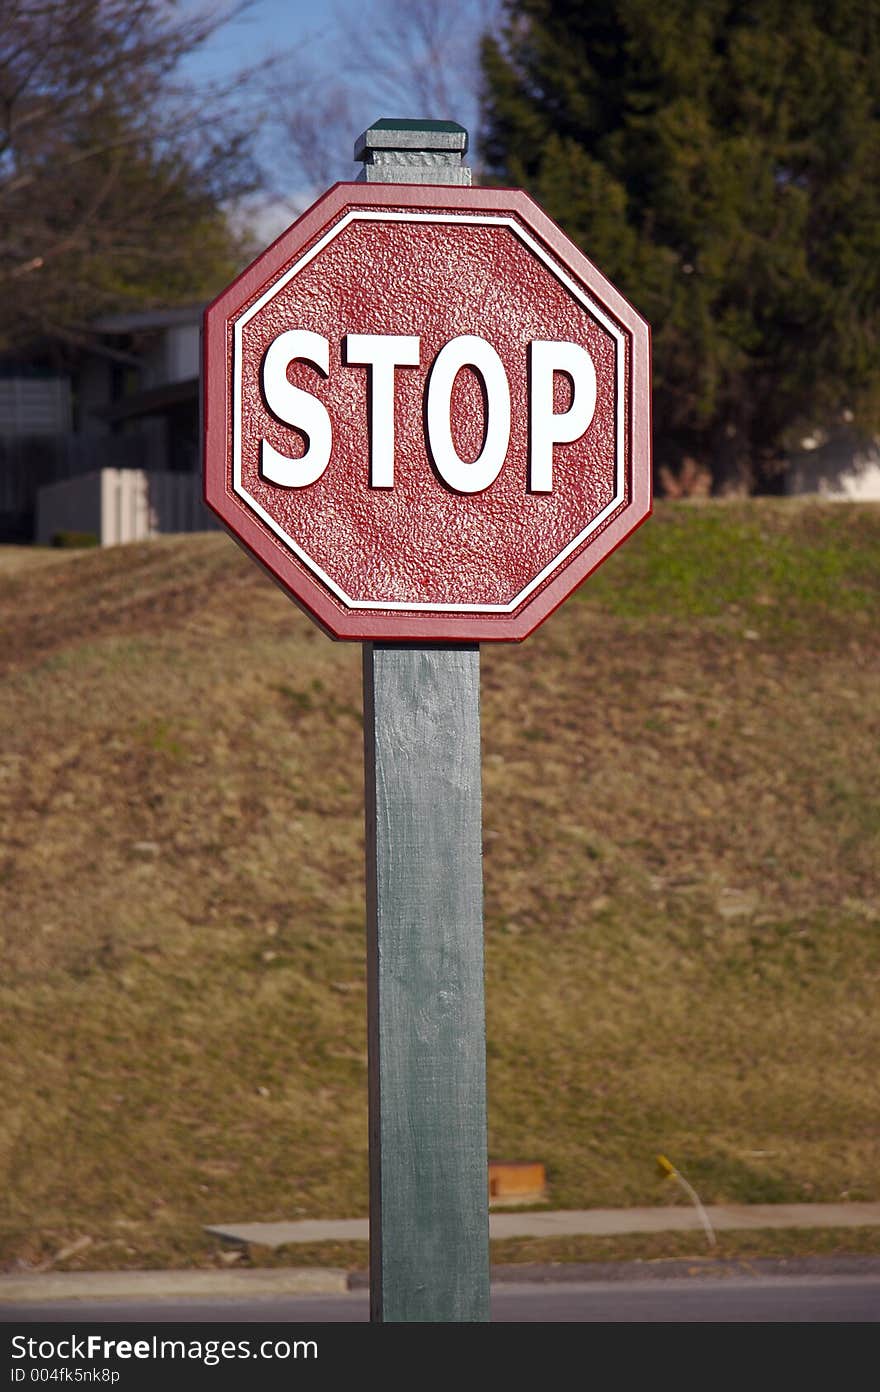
point(426, 413)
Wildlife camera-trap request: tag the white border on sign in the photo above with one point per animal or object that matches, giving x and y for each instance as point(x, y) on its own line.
point(368, 215)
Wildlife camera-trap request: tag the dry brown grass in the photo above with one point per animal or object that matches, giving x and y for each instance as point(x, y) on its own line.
point(681, 855)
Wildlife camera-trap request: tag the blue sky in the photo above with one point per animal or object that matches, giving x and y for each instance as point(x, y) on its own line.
point(321, 37)
point(266, 27)
point(334, 67)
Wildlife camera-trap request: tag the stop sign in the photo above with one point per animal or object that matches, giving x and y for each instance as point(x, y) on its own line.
point(426, 413)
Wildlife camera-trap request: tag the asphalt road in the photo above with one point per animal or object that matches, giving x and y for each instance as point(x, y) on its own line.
point(833, 1298)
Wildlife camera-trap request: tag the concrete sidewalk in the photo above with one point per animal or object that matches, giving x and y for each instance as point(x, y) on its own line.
point(45, 1287)
point(597, 1222)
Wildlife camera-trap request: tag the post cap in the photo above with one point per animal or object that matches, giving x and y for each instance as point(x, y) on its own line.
point(401, 134)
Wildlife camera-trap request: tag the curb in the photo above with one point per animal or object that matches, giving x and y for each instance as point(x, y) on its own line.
point(54, 1286)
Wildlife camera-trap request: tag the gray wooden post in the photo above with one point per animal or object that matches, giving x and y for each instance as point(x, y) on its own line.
point(429, 1208)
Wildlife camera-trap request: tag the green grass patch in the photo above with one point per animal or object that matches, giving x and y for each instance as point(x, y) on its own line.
point(769, 561)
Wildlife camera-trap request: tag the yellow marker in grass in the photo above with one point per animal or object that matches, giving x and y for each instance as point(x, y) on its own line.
point(670, 1172)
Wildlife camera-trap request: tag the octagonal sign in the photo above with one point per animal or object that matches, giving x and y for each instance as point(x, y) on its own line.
point(426, 413)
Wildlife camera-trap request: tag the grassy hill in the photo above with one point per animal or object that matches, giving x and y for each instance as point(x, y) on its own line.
point(681, 865)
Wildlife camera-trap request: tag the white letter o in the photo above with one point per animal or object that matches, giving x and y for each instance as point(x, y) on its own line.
point(468, 351)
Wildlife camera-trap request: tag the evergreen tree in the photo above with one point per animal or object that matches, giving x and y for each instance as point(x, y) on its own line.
point(719, 160)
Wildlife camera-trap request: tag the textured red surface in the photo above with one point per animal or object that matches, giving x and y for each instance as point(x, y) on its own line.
point(455, 567)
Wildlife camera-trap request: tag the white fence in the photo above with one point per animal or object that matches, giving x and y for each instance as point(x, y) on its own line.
point(118, 505)
point(31, 462)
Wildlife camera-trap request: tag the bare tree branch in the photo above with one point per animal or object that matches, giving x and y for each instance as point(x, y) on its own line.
point(390, 58)
point(112, 173)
